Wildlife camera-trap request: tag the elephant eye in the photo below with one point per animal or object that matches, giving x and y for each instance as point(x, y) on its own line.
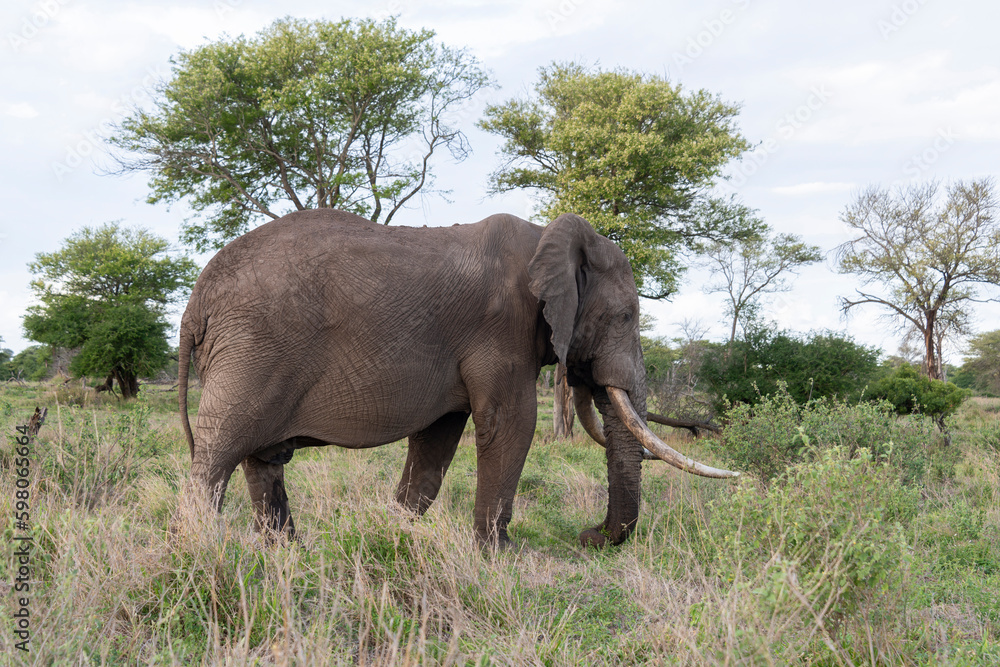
point(626, 317)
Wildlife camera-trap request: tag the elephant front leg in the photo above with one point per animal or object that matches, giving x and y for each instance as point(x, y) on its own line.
point(428, 457)
point(266, 482)
point(503, 437)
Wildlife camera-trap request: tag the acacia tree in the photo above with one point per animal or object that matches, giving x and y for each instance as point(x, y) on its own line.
point(931, 258)
point(754, 266)
point(632, 153)
point(105, 293)
point(303, 115)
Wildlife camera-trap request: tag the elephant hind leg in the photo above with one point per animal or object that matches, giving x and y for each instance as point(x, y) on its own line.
point(266, 483)
point(211, 477)
point(429, 455)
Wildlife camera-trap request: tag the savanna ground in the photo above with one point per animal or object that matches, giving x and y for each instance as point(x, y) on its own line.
point(856, 552)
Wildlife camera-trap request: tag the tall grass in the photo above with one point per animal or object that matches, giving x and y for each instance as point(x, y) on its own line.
point(841, 560)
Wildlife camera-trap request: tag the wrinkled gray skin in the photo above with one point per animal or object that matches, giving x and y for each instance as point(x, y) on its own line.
point(321, 328)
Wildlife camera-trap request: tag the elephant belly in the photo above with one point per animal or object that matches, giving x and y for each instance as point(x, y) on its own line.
point(375, 409)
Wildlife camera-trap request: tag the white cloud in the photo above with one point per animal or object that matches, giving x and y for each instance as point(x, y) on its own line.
point(20, 110)
point(904, 98)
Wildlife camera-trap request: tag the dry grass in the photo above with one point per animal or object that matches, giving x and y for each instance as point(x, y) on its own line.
point(129, 568)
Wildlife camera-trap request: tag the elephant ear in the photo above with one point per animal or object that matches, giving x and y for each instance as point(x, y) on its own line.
point(558, 274)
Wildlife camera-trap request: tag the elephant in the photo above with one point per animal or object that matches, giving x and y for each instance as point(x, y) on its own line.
point(322, 328)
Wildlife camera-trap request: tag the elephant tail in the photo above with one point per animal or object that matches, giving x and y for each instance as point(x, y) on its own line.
point(184, 363)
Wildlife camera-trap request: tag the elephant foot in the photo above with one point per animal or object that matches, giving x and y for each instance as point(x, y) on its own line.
point(593, 537)
point(497, 541)
point(274, 537)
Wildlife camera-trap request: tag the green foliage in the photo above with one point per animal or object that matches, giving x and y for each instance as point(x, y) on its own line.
point(826, 531)
point(659, 358)
point(105, 292)
point(31, 363)
point(908, 392)
point(632, 153)
point(767, 438)
point(982, 363)
point(129, 338)
point(305, 114)
point(822, 364)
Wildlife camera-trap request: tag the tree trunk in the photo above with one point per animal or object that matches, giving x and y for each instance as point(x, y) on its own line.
point(128, 383)
point(931, 365)
point(562, 404)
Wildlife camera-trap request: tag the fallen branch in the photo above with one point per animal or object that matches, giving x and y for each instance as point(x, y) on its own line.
point(690, 425)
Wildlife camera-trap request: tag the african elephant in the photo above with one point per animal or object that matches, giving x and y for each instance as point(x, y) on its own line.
point(321, 328)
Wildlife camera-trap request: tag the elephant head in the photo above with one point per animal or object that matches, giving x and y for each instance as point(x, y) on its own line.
point(589, 300)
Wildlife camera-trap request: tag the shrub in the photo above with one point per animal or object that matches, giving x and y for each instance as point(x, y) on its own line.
point(810, 367)
point(764, 439)
point(981, 370)
point(822, 534)
point(909, 392)
point(31, 363)
point(94, 463)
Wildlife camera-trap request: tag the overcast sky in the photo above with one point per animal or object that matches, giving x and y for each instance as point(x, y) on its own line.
point(835, 96)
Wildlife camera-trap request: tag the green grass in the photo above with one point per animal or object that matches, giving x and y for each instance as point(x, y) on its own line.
point(129, 568)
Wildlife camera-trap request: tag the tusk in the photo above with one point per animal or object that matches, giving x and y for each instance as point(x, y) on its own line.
point(584, 402)
point(637, 427)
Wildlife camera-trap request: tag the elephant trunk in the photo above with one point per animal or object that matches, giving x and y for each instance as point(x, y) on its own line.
point(584, 401)
point(624, 455)
point(627, 440)
point(637, 427)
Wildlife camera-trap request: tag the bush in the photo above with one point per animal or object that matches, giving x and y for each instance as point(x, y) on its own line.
point(767, 438)
point(811, 367)
point(909, 392)
point(31, 364)
point(981, 370)
point(822, 534)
